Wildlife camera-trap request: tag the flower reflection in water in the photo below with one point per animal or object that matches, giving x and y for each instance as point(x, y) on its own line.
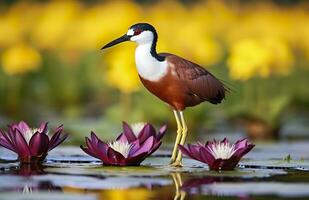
point(30, 185)
point(43, 186)
point(28, 170)
point(196, 185)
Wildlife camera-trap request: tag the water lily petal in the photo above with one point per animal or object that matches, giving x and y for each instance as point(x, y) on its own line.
point(11, 133)
point(194, 151)
point(53, 140)
point(95, 149)
point(12, 127)
point(122, 138)
point(38, 144)
point(56, 136)
point(155, 147)
point(115, 157)
point(7, 141)
point(145, 147)
point(94, 138)
point(23, 127)
point(59, 141)
point(90, 151)
point(146, 132)
point(206, 156)
point(90, 145)
point(98, 150)
point(101, 151)
point(240, 152)
point(137, 159)
point(135, 146)
point(241, 143)
point(43, 128)
point(87, 151)
point(21, 144)
point(161, 133)
point(127, 131)
point(184, 150)
point(56, 139)
point(6, 144)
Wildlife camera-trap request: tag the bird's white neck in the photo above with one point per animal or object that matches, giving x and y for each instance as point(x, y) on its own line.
point(148, 66)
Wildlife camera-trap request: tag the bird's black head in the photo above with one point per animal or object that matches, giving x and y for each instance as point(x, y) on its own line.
point(141, 27)
point(139, 33)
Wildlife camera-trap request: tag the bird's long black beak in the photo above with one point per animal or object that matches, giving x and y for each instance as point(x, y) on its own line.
point(123, 38)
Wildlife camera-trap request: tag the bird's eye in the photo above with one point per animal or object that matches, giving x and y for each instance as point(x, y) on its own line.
point(137, 31)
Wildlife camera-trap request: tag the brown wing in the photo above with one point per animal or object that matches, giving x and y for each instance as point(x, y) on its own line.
point(199, 81)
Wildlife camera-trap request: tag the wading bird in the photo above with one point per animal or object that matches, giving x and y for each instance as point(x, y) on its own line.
point(174, 80)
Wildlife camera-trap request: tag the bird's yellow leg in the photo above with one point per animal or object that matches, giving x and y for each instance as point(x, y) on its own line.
point(178, 137)
point(183, 138)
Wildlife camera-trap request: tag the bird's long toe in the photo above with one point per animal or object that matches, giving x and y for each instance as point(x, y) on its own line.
point(176, 164)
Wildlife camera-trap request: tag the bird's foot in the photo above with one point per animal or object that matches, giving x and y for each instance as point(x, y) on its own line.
point(176, 164)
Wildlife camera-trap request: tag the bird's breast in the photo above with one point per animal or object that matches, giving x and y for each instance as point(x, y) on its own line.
point(147, 66)
point(169, 89)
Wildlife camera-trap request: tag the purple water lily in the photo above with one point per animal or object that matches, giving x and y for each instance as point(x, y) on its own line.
point(130, 148)
point(31, 144)
point(219, 155)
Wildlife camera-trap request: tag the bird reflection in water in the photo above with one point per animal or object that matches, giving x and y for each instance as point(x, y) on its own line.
point(179, 193)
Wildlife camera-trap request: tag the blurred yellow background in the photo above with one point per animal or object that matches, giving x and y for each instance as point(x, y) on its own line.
point(51, 67)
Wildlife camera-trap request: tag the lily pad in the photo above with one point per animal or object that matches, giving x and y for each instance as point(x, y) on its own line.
point(276, 164)
point(189, 165)
point(72, 159)
point(152, 166)
point(6, 167)
point(7, 155)
point(277, 151)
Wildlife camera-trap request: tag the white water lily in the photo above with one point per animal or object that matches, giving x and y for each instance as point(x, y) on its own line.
point(222, 150)
point(137, 127)
point(121, 147)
